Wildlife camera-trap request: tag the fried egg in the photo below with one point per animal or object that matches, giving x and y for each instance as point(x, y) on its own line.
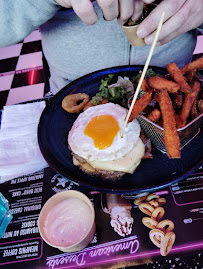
point(96, 133)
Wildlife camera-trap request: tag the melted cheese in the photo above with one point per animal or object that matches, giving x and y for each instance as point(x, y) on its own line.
point(127, 163)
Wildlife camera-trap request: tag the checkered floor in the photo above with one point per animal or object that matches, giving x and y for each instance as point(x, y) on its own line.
point(21, 70)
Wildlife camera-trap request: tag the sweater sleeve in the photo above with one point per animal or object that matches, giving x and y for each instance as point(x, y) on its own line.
point(18, 18)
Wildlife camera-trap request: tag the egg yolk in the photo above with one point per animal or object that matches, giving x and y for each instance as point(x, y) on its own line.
point(102, 129)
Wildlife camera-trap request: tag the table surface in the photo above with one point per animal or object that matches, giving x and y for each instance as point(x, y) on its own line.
point(22, 244)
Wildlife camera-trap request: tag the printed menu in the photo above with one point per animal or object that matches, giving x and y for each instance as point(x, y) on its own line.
point(180, 213)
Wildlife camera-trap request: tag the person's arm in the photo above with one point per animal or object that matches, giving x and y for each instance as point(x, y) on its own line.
point(18, 18)
point(180, 16)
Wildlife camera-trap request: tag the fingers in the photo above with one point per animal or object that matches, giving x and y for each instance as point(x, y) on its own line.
point(125, 10)
point(175, 24)
point(179, 31)
point(110, 9)
point(186, 18)
point(150, 24)
point(84, 10)
point(137, 10)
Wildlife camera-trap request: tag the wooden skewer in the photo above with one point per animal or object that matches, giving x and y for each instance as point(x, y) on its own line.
point(144, 71)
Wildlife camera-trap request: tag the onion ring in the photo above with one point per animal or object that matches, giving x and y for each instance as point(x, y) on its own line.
point(70, 102)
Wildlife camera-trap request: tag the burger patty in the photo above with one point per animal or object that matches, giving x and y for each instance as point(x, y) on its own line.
point(87, 168)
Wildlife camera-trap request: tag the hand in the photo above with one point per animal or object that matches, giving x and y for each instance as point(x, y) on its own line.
point(112, 9)
point(180, 16)
point(83, 8)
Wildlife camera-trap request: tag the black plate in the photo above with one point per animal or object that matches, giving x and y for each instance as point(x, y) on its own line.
point(151, 175)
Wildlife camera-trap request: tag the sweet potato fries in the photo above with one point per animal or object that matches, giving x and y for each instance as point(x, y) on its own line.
point(178, 100)
point(161, 83)
point(140, 105)
point(190, 98)
point(171, 137)
point(176, 74)
point(195, 65)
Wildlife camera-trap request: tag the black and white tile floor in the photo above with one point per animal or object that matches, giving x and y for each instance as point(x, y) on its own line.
point(21, 71)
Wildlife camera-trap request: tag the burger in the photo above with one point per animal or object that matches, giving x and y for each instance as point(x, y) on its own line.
point(97, 146)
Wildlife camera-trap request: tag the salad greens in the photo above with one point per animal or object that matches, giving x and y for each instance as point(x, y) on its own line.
point(149, 73)
point(109, 93)
point(118, 91)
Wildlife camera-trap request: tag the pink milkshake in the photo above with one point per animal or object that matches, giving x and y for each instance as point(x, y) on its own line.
point(67, 222)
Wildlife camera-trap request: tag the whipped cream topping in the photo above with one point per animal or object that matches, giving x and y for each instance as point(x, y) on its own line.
point(121, 220)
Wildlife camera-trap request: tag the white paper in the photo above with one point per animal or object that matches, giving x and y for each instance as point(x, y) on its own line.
point(19, 149)
point(23, 114)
